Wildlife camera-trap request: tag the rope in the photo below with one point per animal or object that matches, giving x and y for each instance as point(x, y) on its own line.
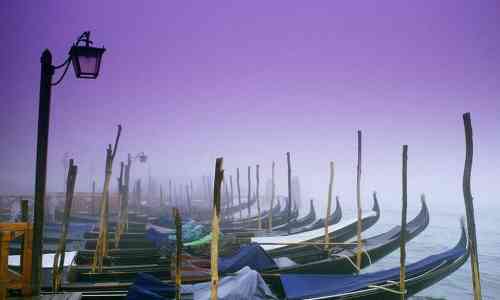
point(388, 289)
point(350, 260)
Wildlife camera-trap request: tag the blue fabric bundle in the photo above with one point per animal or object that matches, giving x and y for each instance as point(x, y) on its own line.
point(148, 287)
point(251, 255)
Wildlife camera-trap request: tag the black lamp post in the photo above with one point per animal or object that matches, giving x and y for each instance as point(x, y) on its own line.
point(86, 62)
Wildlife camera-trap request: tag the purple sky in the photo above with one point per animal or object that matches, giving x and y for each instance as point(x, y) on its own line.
point(190, 81)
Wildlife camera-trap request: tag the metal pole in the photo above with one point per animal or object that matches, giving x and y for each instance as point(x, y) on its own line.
point(47, 70)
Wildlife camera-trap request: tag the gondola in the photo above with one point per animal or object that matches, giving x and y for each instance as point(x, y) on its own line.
point(126, 272)
point(310, 261)
point(340, 232)
point(297, 224)
point(376, 285)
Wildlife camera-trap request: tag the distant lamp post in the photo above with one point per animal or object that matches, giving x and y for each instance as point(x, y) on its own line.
point(142, 157)
point(86, 62)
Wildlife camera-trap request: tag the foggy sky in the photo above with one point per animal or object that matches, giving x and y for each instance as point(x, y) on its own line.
point(190, 81)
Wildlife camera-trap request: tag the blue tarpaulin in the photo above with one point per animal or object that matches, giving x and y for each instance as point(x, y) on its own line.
point(245, 284)
point(148, 287)
point(299, 286)
point(251, 255)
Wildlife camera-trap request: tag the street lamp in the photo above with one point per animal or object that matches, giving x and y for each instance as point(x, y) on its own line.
point(86, 62)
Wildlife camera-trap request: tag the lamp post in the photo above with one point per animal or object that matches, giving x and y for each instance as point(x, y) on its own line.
point(143, 158)
point(86, 62)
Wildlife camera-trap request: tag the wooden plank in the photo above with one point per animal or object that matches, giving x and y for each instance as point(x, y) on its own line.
point(4, 257)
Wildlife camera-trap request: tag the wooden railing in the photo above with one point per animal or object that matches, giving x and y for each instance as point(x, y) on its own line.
point(10, 279)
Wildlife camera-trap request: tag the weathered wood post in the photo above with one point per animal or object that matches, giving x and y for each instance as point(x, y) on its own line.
point(232, 194)
point(249, 194)
point(469, 206)
point(359, 247)
point(5, 237)
point(170, 192)
point(126, 191)
point(58, 263)
point(239, 191)
point(273, 195)
point(119, 225)
point(289, 191)
point(102, 243)
point(214, 249)
point(226, 200)
point(329, 206)
point(178, 252)
point(188, 198)
point(402, 246)
point(24, 218)
point(257, 183)
point(92, 203)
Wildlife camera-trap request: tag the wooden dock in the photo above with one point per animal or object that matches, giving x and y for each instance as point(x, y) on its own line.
point(58, 296)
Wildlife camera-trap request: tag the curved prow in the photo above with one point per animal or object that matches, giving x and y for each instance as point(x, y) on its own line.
point(376, 207)
point(420, 222)
point(337, 214)
point(424, 210)
point(464, 240)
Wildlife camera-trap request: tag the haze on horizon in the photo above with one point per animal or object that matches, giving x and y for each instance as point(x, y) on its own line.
point(190, 81)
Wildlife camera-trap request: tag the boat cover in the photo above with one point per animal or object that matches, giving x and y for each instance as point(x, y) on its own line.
point(245, 284)
point(251, 255)
point(203, 241)
point(162, 236)
point(299, 286)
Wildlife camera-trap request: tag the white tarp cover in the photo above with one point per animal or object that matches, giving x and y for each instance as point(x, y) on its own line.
point(47, 259)
point(246, 284)
point(304, 236)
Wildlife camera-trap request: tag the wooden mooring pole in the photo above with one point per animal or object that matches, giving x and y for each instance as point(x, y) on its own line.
point(214, 249)
point(239, 191)
point(58, 264)
point(249, 194)
point(102, 243)
point(402, 246)
point(469, 206)
point(257, 183)
point(178, 252)
point(289, 191)
point(329, 205)
point(273, 191)
point(359, 248)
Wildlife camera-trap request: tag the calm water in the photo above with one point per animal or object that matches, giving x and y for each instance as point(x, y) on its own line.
point(441, 234)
